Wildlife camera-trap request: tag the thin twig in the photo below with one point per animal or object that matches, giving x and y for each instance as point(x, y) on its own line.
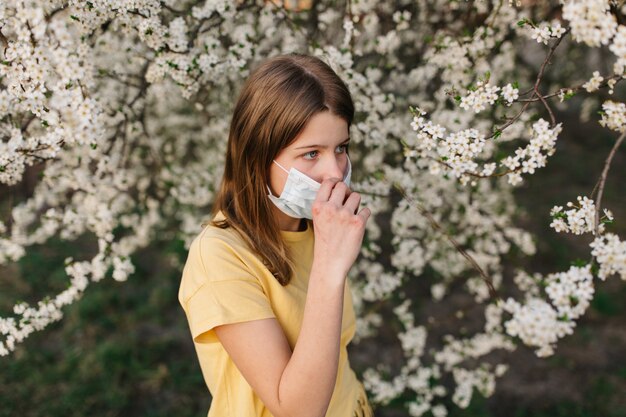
point(535, 91)
point(560, 91)
point(605, 171)
point(437, 227)
point(495, 14)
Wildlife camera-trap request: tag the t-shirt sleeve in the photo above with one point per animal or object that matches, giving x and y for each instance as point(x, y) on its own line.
point(218, 288)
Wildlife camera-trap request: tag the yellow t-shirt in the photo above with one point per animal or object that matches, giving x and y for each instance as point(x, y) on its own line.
point(224, 282)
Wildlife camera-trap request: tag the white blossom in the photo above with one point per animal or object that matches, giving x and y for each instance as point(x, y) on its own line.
point(509, 93)
point(484, 94)
point(618, 47)
point(614, 115)
point(594, 82)
point(577, 220)
point(545, 31)
point(590, 21)
point(610, 253)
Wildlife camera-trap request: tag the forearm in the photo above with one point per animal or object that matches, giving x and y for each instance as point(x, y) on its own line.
point(308, 381)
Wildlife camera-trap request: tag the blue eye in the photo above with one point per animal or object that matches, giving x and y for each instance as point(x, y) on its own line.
point(310, 155)
point(344, 148)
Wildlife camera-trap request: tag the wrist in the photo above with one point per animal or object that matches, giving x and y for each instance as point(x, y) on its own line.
point(327, 272)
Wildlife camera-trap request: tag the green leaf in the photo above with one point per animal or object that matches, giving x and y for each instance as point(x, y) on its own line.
point(569, 95)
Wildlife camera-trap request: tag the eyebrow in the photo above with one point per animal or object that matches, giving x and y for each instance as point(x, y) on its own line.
point(323, 146)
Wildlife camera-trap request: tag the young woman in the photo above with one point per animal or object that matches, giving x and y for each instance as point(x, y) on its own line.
point(264, 286)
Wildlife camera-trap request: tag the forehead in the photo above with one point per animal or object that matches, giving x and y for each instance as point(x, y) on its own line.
point(323, 129)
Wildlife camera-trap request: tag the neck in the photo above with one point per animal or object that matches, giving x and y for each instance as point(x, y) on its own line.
point(288, 223)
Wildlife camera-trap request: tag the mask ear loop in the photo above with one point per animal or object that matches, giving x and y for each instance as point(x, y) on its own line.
point(349, 171)
point(267, 185)
point(281, 167)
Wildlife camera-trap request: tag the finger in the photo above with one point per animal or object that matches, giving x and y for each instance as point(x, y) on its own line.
point(323, 194)
point(348, 194)
point(365, 214)
point(338, 193)
point(352, 202)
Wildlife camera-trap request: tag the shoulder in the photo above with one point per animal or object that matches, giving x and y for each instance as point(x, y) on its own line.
point(215, 256)
point(214, 246)
point(216, 238)
point(215, 241)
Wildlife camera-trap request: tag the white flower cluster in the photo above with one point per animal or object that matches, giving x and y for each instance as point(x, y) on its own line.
point(545, 31)
point(541, 324)
point(402, 19)
point(570, 292)
point(618, 47)
point(614, 115)
point(42, 84)
point(590, 20)
point(348, 27)
point(457, 150)
point(527, 283)
point(509, 94)
point(579, 219)
point(457, 351)
point(380, 390)
point(36, 318)
point(481, 379)
point(535, 154)
point(594, 82)
point(408, 255)
point(479, 97)
point(380, 283)
point(414, 375)
point(610, 253)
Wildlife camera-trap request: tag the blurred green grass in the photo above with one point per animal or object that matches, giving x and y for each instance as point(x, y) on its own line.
point(124, 349)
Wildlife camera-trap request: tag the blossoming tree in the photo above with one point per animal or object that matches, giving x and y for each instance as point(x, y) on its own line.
point(123, 107)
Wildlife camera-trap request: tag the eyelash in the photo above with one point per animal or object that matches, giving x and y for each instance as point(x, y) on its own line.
point(344, 146)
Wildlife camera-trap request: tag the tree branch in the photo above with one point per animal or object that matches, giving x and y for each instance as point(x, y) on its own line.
point(437, 227)
point(602, 181)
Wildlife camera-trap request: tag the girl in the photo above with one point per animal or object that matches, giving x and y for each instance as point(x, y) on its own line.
point(264, 286)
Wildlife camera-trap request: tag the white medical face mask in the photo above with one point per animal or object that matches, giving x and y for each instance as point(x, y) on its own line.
point(299, 193)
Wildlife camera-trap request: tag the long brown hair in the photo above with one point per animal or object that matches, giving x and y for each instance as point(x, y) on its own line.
point(274, 105)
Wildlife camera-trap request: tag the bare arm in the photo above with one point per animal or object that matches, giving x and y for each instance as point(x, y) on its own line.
point(301, 383)
point(308, 382)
